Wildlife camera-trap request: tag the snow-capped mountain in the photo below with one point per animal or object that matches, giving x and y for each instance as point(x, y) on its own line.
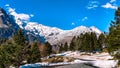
point(53, 35)
point(10, 24)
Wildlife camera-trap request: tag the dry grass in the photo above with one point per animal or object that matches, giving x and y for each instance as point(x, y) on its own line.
point(86, 54)
point(58, 59)
point(105, 50)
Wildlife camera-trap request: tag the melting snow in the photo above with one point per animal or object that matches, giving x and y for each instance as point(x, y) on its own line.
point(101, 60)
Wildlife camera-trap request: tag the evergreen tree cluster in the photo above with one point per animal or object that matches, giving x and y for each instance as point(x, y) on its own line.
point(16, 51)
point(88, 42)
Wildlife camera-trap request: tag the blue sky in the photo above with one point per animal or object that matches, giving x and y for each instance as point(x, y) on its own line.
point(66, 14)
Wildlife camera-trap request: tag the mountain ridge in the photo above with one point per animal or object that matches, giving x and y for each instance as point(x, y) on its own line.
point(53, 35)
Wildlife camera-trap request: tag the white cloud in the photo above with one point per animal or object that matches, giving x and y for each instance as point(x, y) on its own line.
point(21, 16)
point(72, 23)
point(85, 18)
point(92, 4)
point(92, 7)
point(7, 5)
point(111, 1)
point(108, 5)
point(31, 15)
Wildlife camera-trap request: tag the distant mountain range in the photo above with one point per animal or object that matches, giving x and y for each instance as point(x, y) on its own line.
point(53, 35)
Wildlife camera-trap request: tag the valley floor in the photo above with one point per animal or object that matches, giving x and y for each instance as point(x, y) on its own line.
point(81, 60)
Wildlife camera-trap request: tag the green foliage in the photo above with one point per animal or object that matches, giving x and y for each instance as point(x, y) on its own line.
point(80, 41)
point(102, 40)
point(113, 38)
point(61, 48)
point(87, 42)
point(114, 33)
point(19, 38)
point(66, 47)
point(33, 54)
point(48, 48)
point(3, 40)
point(9, 55)
point(94, 42)
point(14, 52)
point(72, 45)
point(4, 58)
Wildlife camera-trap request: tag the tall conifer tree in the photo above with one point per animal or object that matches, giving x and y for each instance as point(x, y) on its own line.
point(114, 36)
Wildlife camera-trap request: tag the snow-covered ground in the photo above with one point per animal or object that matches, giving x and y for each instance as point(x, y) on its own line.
point(102, 60)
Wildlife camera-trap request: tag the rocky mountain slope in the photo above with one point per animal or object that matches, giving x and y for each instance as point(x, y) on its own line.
point(7, 25)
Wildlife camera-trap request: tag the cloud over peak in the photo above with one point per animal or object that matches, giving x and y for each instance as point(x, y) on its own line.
point(73, 23)
point(111, 1)
point(85, 18)
point(110, 6)
point(7, 5)
point(21, 16)
point(92, 4)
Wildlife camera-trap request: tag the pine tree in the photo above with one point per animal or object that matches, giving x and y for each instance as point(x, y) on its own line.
point(86, 42)
point(5, 57)
point(19, 38)
point(114, 36)
point(72, 45)
point(61, 49)
point(101, 41)
point(66, 47)
point(14, 51)
point(114, 33)
point(34, 54)
point(80, 41)
point(48, 48)
point(9, 55)
point(94, 42)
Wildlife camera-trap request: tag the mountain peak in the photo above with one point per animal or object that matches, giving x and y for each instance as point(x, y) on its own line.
point(2, 11)
point(94, 29)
